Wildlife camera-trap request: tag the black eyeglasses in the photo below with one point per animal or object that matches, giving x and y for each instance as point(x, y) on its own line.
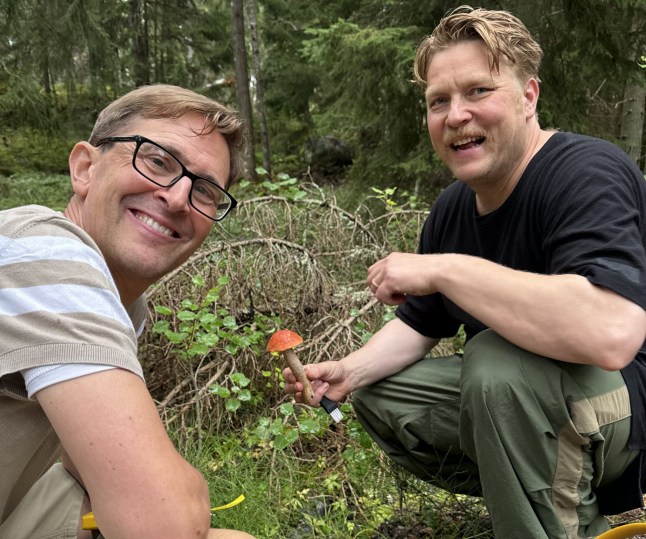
point(158, 165)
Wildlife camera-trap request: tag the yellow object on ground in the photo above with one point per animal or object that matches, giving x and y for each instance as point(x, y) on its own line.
point(238, 500)
point(88, 522)
point(625, 531)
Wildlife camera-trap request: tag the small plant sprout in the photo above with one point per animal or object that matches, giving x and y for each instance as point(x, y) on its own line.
point(283, 341)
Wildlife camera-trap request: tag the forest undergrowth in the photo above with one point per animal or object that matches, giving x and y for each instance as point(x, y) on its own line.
point(292, 258)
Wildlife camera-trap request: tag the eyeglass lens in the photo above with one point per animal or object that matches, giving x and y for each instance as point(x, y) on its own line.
point(159, 166)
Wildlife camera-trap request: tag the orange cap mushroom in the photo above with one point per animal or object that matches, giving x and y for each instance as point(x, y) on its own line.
point(283, 341)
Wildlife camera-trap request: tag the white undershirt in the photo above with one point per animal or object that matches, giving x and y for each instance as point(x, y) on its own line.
point(38, 378)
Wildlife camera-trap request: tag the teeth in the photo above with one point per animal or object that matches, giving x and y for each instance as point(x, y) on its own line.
point(465, 141)
point(154, 224)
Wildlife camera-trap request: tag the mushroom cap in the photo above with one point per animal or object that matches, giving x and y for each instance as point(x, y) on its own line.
point(282, 340)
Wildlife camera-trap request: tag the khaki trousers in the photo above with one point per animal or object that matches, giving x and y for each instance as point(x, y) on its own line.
point(533, 435)
point(50, 510)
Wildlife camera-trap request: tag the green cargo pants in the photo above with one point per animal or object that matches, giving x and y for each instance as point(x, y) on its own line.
point(533, 435)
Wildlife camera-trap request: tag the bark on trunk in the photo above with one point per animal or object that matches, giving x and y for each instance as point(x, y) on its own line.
point(242, 83)
point(632, 118)
point(260, 85)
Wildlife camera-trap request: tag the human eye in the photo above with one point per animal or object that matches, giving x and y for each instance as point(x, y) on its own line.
point(481, 90)
point(436, 102)
point(157, 160)
point(207, 193)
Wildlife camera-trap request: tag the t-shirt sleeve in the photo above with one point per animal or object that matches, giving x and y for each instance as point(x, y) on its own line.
point(595, 228)
point(58, 302)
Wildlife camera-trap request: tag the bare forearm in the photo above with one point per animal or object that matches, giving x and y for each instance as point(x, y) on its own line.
point(560, 316)
point(389, 350)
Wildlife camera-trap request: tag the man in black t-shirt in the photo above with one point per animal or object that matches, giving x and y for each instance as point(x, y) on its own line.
point(539, 252)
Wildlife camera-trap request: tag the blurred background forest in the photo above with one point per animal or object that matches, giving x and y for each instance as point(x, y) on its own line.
point(320, 83)
point(340, 172)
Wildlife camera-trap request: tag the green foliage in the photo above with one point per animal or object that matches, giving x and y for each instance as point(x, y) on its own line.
point(380, 116)
point(236, 394)
point(201, 324)
point(338, 68)
point(29, 150)
point(35, 188)
point(282, 185)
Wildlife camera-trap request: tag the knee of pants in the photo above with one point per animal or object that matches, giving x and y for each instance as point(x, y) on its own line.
point(497, 374)
point(492, 364)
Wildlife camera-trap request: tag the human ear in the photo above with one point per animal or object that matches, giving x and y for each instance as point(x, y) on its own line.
point(81, 160)
point(531, 94)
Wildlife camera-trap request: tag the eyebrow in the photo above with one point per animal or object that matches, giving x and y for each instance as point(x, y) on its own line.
point(475, 80)
point(179, 154)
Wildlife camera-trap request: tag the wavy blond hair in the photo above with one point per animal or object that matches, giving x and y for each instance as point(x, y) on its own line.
point(503, 34)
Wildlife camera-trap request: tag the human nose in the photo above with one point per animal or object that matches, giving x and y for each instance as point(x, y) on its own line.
point(176, 196)
point(458, 113)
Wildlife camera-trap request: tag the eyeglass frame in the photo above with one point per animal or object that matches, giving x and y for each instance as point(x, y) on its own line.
point(139, 140)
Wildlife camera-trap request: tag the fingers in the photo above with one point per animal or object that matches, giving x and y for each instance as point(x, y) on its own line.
point(383, 288)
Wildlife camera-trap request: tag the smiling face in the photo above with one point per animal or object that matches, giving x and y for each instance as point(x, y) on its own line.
point(143, 230)
point(482, 124)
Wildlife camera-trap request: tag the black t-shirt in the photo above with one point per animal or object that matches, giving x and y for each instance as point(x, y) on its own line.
point(579, 208)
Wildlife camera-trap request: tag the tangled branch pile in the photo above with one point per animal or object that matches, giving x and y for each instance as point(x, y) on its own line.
point(299, 263)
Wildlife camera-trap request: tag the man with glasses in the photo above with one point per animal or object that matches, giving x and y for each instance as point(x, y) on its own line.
point(147, 187)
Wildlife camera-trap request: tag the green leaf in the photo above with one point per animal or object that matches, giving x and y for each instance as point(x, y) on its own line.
point(165, 311)
point(211, 297)
point(287, 408)
point(231, 349)
point(232, 405)
point(245, 395)
point(208, 318)
point(281, 442)
point(220, 391)
point(210, 339)
point(240, 379)
point(229, 322)
point(262, 432)
point(309, 426)
point(175, 338)
point(189, 305)
point(198, 349)
point(186, 316)
point(285, 440)
point(160, 326)
point(276, 427)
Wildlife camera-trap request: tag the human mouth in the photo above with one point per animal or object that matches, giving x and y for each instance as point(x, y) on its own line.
point(466, 143)
point(149, 221)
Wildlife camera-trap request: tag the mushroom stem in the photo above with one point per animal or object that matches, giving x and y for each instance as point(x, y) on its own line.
point(299, 373)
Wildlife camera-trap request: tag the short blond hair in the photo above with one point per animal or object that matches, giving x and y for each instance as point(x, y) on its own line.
point(161, 101)
point(503, 34)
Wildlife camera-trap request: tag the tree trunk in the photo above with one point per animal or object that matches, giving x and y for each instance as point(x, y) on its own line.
point(242, 83)
point(632, 118)
point(632, 111)
point(260, 85)
point(140, 51)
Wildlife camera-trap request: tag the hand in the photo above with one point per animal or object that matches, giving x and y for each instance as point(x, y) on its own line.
point(392, 278)
point(328, 378)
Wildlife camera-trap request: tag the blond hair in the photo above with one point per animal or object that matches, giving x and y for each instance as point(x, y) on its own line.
point(160, 101)
point(503, 34)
